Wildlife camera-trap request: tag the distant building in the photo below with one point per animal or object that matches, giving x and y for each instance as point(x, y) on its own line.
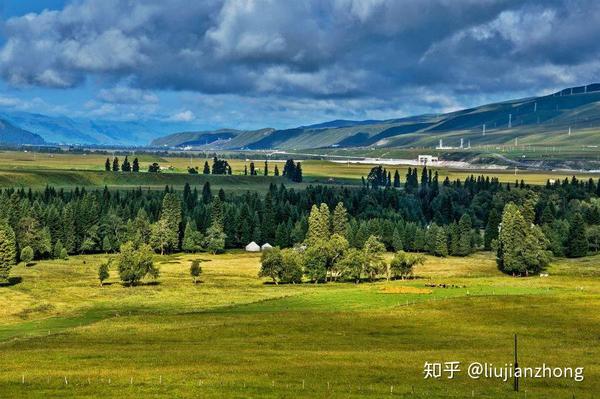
point(427, 159)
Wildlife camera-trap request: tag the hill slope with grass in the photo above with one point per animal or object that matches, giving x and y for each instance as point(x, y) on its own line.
point(544, 120)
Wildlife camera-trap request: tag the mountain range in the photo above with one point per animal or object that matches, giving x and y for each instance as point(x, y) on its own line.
point(543, 120)
point(568, 117)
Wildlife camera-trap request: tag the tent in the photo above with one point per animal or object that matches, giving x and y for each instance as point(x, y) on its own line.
point(252, 247)
point(266, 246)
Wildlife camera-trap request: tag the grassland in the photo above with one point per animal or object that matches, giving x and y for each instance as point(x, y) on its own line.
point(233, 335)
point(28, 169)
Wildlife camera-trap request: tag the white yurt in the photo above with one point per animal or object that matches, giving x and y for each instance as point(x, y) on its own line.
point(266, 246)
point(252, 247)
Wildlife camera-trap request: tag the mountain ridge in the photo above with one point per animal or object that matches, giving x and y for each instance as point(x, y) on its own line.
point(542, 119)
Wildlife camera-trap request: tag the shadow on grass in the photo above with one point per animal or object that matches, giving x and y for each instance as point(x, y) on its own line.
point(364, 280)
point(11, 281)
point(141, 284)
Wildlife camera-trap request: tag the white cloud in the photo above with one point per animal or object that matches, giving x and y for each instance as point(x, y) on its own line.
point(183, 116)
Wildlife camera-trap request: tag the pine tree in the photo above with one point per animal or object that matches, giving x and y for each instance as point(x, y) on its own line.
point(58, 247)
point(115, 165)
point(298, 174)
point(441, 243)
point(318, 224)
point(276, 171)
point(107, 165)
point(491, 228)
point(206, 169)
point(521, 247)
point(340, 220)
point(126, 167)
point(206, 193)
point(217, 214)
point(282, 236)
point(577, 243)
point(136, 165)
point(252, 170)
point(192, 238)
point(397, 240)
point(465, 232)
point(8, 250)
point(454, 237)
point(396, 179)
point(215, 239)
point(165, 232)
point(266, 170)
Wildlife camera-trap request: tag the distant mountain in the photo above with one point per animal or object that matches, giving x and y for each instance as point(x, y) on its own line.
point(222, 138)
point(10, 134)
point(64, 130)
point(536, 120)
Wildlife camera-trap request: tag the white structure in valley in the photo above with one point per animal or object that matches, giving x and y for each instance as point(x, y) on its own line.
point(266, 246)
point(252, 247)
point(427, 159)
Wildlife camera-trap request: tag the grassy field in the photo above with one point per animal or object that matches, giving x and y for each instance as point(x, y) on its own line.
point(234, 336)
point(27, 169)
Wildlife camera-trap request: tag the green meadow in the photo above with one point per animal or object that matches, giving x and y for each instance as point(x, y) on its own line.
point(237, 336)
point(66, 170)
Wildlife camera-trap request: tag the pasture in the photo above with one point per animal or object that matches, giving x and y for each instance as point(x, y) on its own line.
point(36, 170)
point(235, 335)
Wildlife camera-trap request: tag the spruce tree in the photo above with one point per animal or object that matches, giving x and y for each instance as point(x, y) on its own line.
point(107, 165)
point(126, 166)
point(192, 238)
point(340, 220)
point(8, 250)
point(491, 228)
point(465, 232)
point(318, 224)
point(397, 240)
point(115, 165)
point(266, 170)
point(135, 166)
point(298, 174)
point(206, 193)
point(577, 243)
point(206, 169)
point(276, 171)
point(521, 247)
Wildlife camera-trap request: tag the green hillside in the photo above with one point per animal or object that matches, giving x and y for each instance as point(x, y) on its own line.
point(544, 120)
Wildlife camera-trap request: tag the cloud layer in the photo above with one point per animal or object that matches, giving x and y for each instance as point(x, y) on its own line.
point(432, 52)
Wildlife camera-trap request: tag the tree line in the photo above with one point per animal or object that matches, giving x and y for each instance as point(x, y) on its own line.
point(442, 218)
point(292, 170)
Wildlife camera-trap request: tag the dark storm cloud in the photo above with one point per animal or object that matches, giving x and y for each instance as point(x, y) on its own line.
point(307, 49)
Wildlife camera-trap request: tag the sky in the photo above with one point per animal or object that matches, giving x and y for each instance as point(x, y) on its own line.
point(282, 63)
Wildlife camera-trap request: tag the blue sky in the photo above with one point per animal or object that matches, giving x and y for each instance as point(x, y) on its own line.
point(257, 63)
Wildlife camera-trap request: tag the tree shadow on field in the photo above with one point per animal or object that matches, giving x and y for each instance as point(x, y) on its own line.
point(141, 284)
point(11, 281)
